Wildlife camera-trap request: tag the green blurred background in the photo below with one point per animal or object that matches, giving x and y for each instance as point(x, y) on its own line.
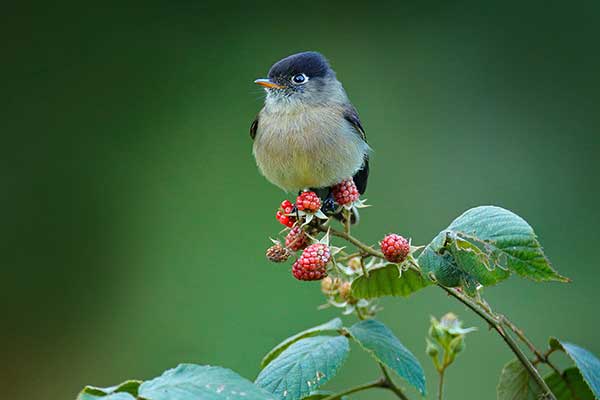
point(135, 221)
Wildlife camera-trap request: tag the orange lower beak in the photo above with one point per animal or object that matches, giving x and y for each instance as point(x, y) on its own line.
point(268, 84)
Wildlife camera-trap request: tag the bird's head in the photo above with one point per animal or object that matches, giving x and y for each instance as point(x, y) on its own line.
point(303, 78)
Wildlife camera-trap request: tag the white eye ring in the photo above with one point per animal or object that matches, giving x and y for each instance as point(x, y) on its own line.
point(299, 79)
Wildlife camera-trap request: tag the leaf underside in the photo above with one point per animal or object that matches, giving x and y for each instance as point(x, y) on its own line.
point(127, 390)
point(515, 383)
point(388, 281)
point(569, 385)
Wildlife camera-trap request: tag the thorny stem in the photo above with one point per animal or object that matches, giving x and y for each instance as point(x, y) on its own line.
point(351, 239)
point(349, 256)
point(521, 335)
point(494, 321)
point(497, 325)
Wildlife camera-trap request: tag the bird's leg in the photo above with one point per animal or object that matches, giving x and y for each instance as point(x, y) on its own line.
point(328, 203)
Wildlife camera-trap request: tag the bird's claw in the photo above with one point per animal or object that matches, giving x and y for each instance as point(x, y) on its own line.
point(328, 205)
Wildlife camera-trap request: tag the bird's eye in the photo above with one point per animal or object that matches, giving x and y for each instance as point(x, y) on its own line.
point(299, 79)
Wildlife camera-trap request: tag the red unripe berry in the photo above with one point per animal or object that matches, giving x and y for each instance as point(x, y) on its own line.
point(345, 192)
point(311, 266)
point(296, 239)
point(395, 248)
point(308, 202)
point(280, 215)
point(287, 206)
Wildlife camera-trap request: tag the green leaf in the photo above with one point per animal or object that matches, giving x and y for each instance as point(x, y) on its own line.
point(304, 366)
point(321, 394)
point(388, 281)
point(486, 243)
point(122, 391)
point(193, 382)
point(112, 396)
point(585, 361)
point(515, 383)
point(569, 385)
point(333, 325)
point(380, 342)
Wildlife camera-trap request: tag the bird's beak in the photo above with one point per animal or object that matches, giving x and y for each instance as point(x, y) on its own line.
point(268, 84)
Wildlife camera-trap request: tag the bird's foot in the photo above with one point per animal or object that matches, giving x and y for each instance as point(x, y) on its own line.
point(328, 205)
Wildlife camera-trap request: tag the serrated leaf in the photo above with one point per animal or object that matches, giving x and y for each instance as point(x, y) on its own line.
point(380, 342)
point(333, 325)
point(486, 243)
point(109, 393)
point(304, 366)
point(569, 385)
point(193, 382)
point(388, 281)
point(515, 383)
point(585, 361)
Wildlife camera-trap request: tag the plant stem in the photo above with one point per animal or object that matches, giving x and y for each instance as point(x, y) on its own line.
point(349, 256)
point(488, 317)
point(441, 384)
point(380, 383)
point(389, 383)
point(346, 214)
point(492, 320)
point(521, 335)
point(353, 240)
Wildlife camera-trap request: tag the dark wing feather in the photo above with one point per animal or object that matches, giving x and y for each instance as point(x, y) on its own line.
point(253, 128)
point(362, 175)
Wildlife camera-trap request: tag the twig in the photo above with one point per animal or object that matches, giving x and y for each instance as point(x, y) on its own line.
point(492, 320)
point(346, 214)
point(349, 256)
point(380, 383)
point(389, 383)
point(353, 240)
point(488, 317)
point(521, 335)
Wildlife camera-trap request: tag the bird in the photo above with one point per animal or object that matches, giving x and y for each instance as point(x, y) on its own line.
point(308, 135)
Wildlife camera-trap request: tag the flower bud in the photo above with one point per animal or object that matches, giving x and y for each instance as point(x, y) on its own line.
point(355, 263)
point(345, 291)
point(431, 349)
point(329, 285)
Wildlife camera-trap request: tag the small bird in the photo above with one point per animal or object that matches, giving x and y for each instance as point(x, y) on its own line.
point(308, 135)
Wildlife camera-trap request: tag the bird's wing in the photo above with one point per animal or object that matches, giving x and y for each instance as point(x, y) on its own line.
point(351, 115)
point(253, 128)
point(362, 175)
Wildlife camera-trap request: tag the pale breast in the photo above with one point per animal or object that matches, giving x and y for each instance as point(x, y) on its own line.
point(311, 147)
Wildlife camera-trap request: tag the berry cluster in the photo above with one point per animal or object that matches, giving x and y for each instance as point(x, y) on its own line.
point(296, 239)
point(395, 248)
point(311, 265)
point(283, 214)
point(308, 202)
point(345, 192)
point(277, 253)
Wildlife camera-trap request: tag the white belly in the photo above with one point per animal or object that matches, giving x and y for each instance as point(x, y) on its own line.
point(309, 148)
